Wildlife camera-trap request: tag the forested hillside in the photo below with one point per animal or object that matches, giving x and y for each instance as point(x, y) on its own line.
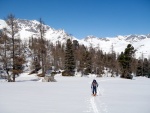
point(40, 53)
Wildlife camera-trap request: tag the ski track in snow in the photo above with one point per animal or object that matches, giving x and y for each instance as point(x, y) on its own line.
point(93, 104)
point(96, 105)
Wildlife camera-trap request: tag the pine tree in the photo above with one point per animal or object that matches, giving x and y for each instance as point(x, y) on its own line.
point(69, 59)
point(100, 63)
point(88, 63)
point(139, 70)
point(125, 60)
point(81, 52)
point(145, 67)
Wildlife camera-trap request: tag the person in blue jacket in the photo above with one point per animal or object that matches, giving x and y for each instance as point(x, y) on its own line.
point(94, 86)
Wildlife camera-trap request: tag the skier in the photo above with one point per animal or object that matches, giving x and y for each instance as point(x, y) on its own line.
point(94, 86)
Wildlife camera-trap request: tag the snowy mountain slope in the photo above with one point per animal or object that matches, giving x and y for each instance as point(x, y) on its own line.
point(28, 28)
point(140, 42)
point(2, 24)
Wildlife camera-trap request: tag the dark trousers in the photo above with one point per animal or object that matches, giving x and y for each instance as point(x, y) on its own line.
point(94, 90)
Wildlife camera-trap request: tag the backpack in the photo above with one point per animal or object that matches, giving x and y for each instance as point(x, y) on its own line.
point(94, 84)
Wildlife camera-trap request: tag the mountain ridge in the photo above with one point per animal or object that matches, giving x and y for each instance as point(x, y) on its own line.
point(28, 28)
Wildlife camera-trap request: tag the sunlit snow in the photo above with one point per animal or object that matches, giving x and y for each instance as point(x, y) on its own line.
point(73, 95)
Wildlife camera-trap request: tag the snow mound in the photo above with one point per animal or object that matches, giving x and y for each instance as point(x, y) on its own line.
point(24, 77)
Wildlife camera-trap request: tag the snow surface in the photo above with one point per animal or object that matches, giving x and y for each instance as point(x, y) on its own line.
point(73, 95)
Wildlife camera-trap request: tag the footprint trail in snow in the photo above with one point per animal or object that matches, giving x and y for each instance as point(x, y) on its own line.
point(95, 103)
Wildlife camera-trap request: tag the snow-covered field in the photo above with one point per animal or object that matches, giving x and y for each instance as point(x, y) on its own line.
point(73, 95)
